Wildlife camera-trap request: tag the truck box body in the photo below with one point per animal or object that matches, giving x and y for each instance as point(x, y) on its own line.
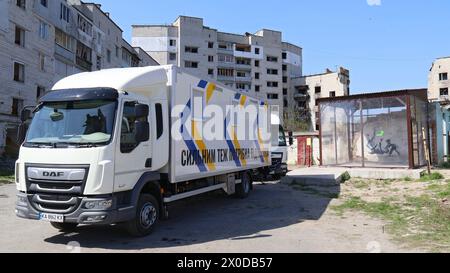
point(189, 158)
point(195, 156)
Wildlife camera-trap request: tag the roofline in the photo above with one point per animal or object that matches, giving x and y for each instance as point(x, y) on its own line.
point(154, 26)
point(131, 47)
point(186, 16)
point(98, 6)
point(245, 35)
point(316, 75)
point(273, 30)
point(291, 44)
point(144, 52)
point(420, 92)
point(234, 34)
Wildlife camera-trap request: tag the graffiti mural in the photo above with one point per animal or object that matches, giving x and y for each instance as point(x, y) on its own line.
point(390, 148)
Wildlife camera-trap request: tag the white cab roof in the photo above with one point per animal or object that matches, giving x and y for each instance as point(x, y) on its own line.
point(121, 79)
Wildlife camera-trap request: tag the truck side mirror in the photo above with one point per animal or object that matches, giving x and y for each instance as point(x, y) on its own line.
point(22, 133)
point(291, 139)
point(142, 131)
point(25, 115)
point(141, 110)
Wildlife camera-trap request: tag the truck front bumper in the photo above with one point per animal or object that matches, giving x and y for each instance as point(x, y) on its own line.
point(82, 215)
point(279, 169)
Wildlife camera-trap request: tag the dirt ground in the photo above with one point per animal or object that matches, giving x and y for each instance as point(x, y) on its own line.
point(416, 212)
point(277, 217)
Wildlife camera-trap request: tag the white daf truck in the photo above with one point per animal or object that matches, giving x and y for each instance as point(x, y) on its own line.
point(120, 145)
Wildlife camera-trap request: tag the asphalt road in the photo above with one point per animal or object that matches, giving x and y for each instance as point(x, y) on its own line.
point(275, 218)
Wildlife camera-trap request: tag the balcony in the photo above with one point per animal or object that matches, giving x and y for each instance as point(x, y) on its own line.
point(84, 64)
point(301, 97)
point(225, 64)
point(244, 79)
point(243, 66)
point(225, 51)
point(225, 78)
point(64, 53)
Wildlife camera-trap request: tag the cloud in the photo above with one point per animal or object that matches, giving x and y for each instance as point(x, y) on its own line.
point(374, 2)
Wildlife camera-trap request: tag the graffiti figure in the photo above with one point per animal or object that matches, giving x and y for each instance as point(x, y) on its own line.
point(378, 149)
point(371, 143)
point(391, 148)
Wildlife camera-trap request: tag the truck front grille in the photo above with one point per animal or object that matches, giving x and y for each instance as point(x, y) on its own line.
point(56, 189)
point(277, 161)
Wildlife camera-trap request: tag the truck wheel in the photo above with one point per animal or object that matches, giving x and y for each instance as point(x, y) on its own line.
point(64, 227)
point(147, 215)
point(243, 189)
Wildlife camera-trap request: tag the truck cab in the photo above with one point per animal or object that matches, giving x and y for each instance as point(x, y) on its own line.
point(279, 150)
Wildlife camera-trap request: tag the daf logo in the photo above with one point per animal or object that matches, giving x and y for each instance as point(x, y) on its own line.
point(56, 174)
point(53, 174)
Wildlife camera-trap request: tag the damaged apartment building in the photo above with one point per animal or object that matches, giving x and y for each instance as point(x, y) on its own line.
point(42, 41)
point(259, 63)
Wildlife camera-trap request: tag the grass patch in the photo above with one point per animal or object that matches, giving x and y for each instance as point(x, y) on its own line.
point(440, 191)
point(433, 218)
point(385, 210)
point(421, 221)
point(6, 177)
point(431, 177)
point(407, 179)
point(445, 165)
point(345, 177)
point(359, 184)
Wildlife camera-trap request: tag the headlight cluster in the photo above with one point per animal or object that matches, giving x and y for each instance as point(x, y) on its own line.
point(22, 199)
point(98, 205)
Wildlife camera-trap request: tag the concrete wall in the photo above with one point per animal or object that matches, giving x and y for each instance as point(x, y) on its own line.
point(29, 56)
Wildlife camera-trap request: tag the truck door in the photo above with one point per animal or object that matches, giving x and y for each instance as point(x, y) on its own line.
point(132, 158)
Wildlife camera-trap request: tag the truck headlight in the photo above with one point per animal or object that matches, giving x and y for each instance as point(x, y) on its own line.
point(22, 199)
point(98, 205)
point(277, 156)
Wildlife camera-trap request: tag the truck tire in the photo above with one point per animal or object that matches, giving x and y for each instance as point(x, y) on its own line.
point(243, 189)
point(147, 215)
point(64, 227)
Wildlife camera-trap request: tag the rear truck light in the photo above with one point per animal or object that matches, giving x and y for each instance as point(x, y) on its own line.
point(98, 205)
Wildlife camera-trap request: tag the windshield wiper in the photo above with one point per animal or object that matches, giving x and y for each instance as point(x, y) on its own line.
point(40, 145)
point(56, 145)
point(53, 145)
point(87, 145)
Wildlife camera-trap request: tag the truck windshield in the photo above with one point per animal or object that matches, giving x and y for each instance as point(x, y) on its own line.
point(282, 137)
point(72, 123)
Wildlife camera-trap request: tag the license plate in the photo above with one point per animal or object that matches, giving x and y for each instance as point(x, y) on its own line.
point(51, 217)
